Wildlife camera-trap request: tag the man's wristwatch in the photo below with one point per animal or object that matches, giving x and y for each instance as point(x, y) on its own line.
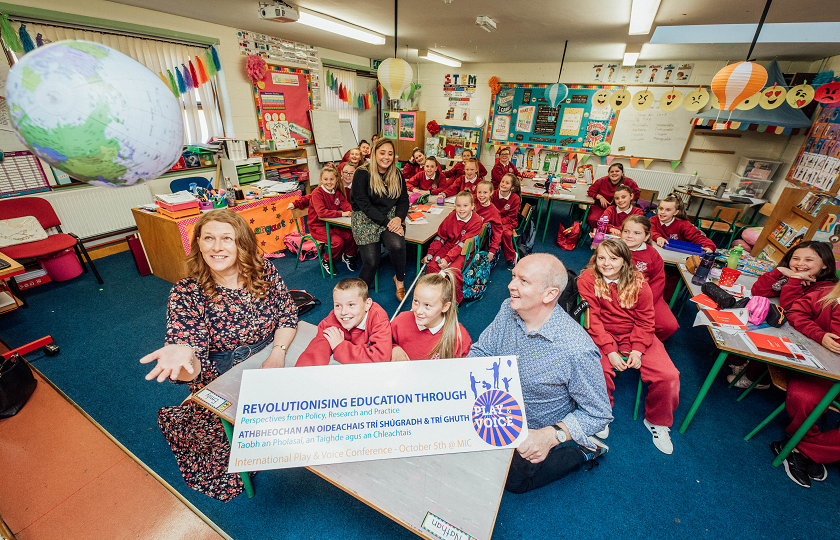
point(560, 434)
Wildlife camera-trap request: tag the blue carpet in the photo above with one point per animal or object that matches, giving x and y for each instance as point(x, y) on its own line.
point(715, 485)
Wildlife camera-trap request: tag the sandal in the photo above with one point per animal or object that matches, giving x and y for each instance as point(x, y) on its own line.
point(400, 290)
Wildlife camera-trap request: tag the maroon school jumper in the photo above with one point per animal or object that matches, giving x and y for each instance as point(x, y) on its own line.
point(328, 206)
point(410, 169)
point(500, 170)
point(804, 392)
point(418, 344)
point(616, 329)
point(447, 245)
point(458, 170)
point(648, 261)
point(774, 283)
point(372, 343)
point(606, 189)
point(509, 210)
point(490, 214)
point(679, 229)
point(616, 218)
point(421, 181)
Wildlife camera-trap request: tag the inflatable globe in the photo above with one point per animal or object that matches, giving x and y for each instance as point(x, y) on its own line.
point(94, 113)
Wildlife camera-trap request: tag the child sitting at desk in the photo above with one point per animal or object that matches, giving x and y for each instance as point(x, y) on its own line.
point(429, 180)
point(603, 190)
point(817, 315)
point(415, 164)
point(507, 201)
point(636, 234)
point(621, 322)
point(469, 181)
point(328, 202)
point(623, 207)
point(458, 169)
point(431, 329)
point(503, 167)
point(489, 215)
point(356, 331)
point(455, 229)
point(345, 184)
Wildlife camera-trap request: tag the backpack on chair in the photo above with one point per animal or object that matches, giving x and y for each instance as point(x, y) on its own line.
point(568, 296)
point(308, 251)
point(476, 276)
point(526, 242)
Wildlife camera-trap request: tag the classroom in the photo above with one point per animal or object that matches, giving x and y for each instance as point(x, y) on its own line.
point(537, 197)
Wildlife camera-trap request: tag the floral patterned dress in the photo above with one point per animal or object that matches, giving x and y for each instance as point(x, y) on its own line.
point(234, 318)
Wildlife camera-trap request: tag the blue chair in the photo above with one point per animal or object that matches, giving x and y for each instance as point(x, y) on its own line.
point(183, 184)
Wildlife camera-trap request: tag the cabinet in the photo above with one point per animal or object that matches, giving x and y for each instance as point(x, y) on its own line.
point(293, 160)
point(8, 290)
point(241, 171)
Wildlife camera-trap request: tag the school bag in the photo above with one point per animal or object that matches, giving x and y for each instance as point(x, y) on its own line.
point(526, 241)
point(476, 277)
point(309, 250)
point(568, 238)
point(568, 297)
point(304, 301)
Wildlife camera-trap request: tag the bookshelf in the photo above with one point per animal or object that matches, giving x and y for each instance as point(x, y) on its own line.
point(300, 167)
point(788, 212)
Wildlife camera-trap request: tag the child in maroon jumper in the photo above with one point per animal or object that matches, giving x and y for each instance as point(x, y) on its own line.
point(603, 190)
point(507, 201)
point(328, 202)
point(356, 331)
point(503, 167)
point(345, 185)
point(458, 169)
point(623, 207)
point(431, 329)
point(456, 228)
point(489, 214)
point(415, 164)
point(469, 181)
point(817, 315)
point(621, 322)
point(635, 232)
point(430, 180)
point(354, 156)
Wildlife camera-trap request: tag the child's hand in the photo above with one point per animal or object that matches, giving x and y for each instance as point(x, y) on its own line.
point(805, 277)
point(291, 206)
point(443, 264)
point(490, 255)
point(787, 272)
point(399, 355)
point(707, 250)
point(427, 259)
point(334, 336)
point(661, 241)
point(829, 341)
point(615, 231)
point(602, 201)
point(616, 361)
point(346, 214)
point(634, 360)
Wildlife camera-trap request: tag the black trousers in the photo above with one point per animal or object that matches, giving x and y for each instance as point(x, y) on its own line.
point(372, 253)
point(525, 476)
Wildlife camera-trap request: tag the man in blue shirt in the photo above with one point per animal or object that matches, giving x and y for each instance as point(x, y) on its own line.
point(560, 372)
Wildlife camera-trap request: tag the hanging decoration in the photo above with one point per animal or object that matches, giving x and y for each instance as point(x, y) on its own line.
point(828, 94)
point(395, 76)
point(647, 162)
point(494, 85)
point(9, 36)
point(202, 70)
point(801, 95)
point(25, 40)
point(601, 149)
point(633, 161)
point(749, 103)
point(172, 84)
point(556, 93)
point(211, 66)
point(194, 75)
point(772, 97)
point(675, 163)
point(182, 85)
point(357, 101)
point(433, 127)
point(187, 77)
point(736, 82)
point(255, 68)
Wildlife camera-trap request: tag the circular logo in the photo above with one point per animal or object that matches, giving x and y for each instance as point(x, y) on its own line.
point(497, 418)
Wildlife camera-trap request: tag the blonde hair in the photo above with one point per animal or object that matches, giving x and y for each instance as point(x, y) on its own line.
point(330, 168)
point(467, 194)
point(639, 220)
point(450, 336)
point(249, 260)
point(351, 283)
point(388, 184)
point(678, 203)
point(630, 280)
point(487, 183)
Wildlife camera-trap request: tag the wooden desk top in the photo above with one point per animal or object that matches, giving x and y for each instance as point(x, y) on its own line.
point(15, 268)
point(414, 233)
point(576, 193)
point(463, 489)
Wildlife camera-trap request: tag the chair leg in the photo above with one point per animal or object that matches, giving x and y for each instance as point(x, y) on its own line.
point(764, 422)
point(81, 260)
point(638, 398)
point(90, 262)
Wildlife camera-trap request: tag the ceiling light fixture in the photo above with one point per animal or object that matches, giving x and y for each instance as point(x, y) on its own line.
point(331, 24)
point(486, 23)
point(813, 32)
point(631, 54)
point(642, 14)
point(439, 58)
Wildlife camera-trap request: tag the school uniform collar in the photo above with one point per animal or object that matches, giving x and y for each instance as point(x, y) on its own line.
point(328, 191)
point(363, 324)
point(503, 197)
point(467, 180)
point(611, 281)
point(435, 329)
point(629, 208)
point(640, 248)
point(673, 219)
point(463, 220)
point(429, 177)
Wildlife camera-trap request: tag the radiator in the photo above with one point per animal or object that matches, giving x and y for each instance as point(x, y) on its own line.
point(93, 211)
point(660, 181)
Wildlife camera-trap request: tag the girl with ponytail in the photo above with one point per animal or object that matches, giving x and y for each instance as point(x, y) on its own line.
point(431, 329)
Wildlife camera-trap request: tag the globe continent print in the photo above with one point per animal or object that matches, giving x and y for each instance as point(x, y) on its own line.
point(94, 113)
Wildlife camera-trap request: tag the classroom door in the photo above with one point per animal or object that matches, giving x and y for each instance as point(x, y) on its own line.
point(368, 119)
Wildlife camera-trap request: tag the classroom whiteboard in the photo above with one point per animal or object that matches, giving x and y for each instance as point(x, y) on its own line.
point(652, 133)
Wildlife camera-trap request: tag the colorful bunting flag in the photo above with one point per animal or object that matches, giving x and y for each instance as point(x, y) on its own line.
point(610, 159)
point(582, 159)
point(648, 162)
point(674, 163)
point(633, 161)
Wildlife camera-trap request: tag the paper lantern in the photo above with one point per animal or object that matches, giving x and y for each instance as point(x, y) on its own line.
point(749, 103)
point(395, 76)
point(556, 93)
point(736, 82)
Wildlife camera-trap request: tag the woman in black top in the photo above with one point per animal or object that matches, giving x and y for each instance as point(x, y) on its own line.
point(380, 206)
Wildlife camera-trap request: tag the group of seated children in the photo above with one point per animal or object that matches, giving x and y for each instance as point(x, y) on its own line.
point(357, 330)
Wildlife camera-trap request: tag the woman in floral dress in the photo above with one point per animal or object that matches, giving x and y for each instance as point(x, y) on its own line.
point(233, 305)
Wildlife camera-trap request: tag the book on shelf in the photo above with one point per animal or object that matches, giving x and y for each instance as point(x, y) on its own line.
point(766, 253)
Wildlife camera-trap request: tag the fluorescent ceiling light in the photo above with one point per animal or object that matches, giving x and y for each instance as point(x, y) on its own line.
point(630, 58)
point(642, 14)
point(329, 24)
point(439, 58)
point(815, 32)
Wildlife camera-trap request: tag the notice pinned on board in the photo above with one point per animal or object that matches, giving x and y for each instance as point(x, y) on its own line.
point(301, 417)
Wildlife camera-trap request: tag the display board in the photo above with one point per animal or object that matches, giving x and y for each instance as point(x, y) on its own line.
point(652, 133)
point(818, 164)
point(454, 140)
point(521, 116)
point(20, 174)
point(406, 128)
point(283, 98)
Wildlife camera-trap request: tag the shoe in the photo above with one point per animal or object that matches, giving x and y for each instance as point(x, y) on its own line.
point(600, 449)
point(400, 290)
point(661, 437)
point(744, 382)
point(349, 261)
point(510, 264)
point(816, 471)
point(796, 465)
point(736, 369)
point(604, 433)
point(325, 264)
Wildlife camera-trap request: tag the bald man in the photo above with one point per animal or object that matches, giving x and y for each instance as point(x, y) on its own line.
point(560, 372)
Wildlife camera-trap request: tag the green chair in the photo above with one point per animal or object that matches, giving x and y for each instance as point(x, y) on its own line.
point(298, 216)
point(723, 220)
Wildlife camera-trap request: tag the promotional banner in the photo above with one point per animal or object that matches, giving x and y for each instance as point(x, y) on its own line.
point(300, 417)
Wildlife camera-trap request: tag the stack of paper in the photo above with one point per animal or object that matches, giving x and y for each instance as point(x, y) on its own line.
point(731, 321)
point(781, 348)
point(180, 197)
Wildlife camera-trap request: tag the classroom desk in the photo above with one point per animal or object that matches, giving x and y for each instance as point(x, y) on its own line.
point(414, 234)
point(575, 195)
point(672, 258)
point(463, 489)
point(688, 190)
point(12, 289)
point(728, 343)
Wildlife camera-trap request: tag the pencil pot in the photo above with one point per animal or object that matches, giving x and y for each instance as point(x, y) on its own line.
point(61, 266)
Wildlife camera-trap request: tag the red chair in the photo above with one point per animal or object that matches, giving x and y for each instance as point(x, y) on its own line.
point(43, 211)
